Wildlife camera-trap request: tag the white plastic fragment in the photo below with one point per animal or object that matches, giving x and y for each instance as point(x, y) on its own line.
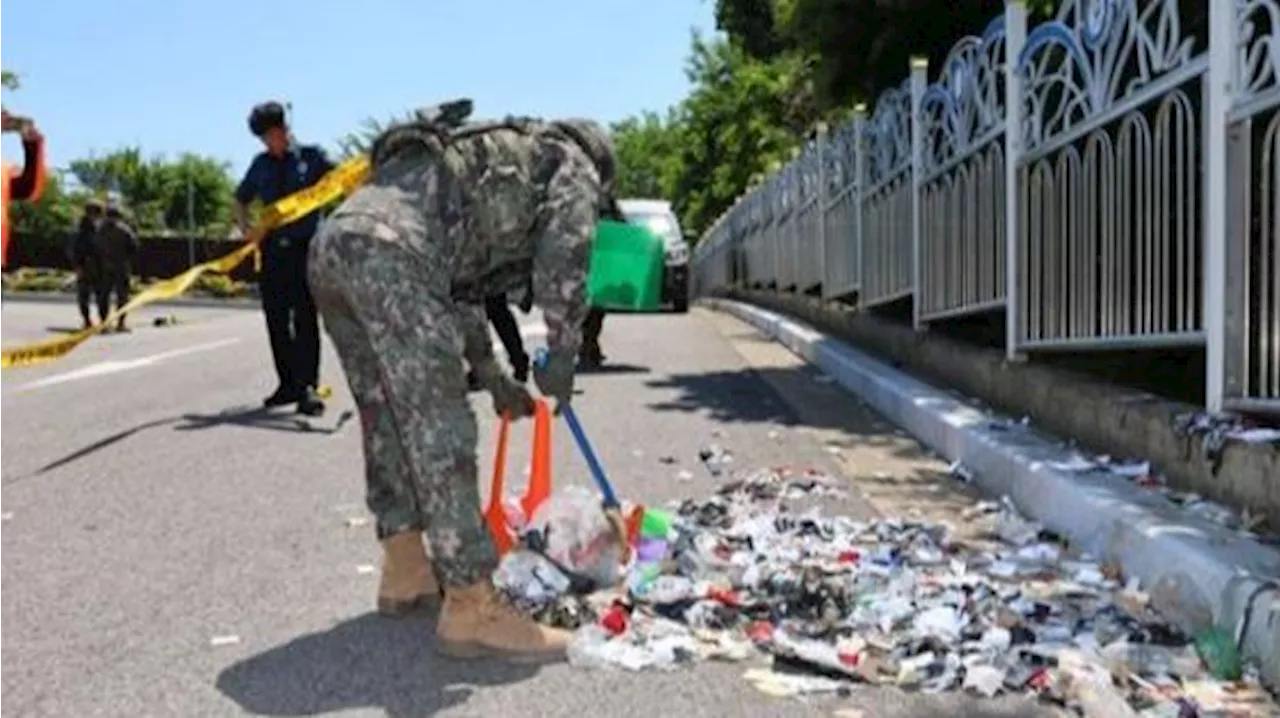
point(960, 471)
point(228, 640)
point(984, 680)
point(365, 569)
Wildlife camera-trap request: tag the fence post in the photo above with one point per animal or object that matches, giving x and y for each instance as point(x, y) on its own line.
point(1015, 38)
point(1218, 92)
point(859, 186)
point(919, 80)
point(820, 206)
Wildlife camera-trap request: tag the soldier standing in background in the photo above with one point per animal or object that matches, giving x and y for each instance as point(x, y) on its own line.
point(454, 213)
point(85, 260)
point(117, 245)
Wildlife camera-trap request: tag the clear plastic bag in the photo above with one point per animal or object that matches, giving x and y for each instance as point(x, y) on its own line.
point(571, 529)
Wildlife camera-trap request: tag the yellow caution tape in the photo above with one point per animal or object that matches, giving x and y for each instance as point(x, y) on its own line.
point(340, 181)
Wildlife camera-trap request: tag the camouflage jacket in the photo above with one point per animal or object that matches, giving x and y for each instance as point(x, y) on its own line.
point(528, 199)
point(117, 243)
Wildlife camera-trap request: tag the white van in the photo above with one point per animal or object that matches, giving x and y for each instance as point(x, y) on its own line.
point(657, 216)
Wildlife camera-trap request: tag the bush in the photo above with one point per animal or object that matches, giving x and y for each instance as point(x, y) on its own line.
point(32, 279)
point(220, 286)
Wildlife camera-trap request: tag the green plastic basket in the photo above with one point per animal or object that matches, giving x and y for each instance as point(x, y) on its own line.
point(626, 268)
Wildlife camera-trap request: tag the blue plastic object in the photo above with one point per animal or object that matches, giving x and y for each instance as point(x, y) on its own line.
point(584, 445)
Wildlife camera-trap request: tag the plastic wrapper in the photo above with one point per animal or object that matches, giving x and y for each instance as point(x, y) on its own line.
point(572, 530)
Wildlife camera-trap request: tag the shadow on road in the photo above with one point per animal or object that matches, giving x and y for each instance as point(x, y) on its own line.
point(612, 369)
point(98, 446)
point(253, 417)
point(258, 417)
point(884, 461)
point(364, 662)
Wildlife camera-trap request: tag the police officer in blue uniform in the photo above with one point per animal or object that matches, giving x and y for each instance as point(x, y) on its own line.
point(284, 168)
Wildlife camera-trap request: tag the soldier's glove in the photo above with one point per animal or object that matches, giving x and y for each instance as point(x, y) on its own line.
point(553, 374)
point(509, 397)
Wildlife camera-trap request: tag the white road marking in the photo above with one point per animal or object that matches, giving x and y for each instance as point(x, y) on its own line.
point(114, 367)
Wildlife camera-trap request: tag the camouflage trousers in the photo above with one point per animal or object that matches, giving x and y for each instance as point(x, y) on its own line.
point(387, 309)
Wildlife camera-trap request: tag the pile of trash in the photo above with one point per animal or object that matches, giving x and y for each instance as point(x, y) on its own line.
point(833, 602)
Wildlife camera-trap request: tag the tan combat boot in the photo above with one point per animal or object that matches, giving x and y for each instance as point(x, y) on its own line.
point(476, 622)
point(408, 583)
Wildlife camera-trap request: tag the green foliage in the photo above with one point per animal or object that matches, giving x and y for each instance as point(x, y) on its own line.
point(9, 80)
point(158, 193)
point(646, 155)
point(220, 286)
point(361, 141)
point(33, 279)
point(55, 210)
point(759, 89)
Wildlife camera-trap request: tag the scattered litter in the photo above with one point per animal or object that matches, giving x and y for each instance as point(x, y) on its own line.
point(715, 458)
point(1142, 474)
point(6, 516)
point(667, 460)
point(786, 685)
point(685, 475)
point(835, 602)
point(217, 641)
point(960, 471)
point(357, 521)
point(773, 434)
point(365, 569)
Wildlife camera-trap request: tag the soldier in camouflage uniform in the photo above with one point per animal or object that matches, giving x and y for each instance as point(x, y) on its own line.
point(117, 248)
point(85, 260)
point(454, 212)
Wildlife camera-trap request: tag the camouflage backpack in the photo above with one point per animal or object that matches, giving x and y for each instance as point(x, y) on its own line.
point(434, 128)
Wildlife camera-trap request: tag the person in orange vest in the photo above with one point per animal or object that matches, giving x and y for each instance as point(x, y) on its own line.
point(25, 185)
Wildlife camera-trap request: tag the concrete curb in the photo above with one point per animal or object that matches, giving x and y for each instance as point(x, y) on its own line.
point(65, 298)
point(1195, 571)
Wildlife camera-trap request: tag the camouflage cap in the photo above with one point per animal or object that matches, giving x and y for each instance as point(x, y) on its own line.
point(594, 139)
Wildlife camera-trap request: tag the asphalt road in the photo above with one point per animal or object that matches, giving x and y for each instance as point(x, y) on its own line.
point(170, 550)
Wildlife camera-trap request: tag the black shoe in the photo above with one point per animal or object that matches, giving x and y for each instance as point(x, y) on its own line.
point(282, 397)
point(310, 403)
point(473, 384)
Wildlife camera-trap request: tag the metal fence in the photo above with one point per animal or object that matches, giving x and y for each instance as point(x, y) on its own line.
point(1107, 179)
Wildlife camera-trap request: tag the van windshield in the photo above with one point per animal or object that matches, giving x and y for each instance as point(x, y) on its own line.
point(659, 223)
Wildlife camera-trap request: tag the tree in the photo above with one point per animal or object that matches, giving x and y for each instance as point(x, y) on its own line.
point(860, 47)
point(155, 190)
point(645, 151)
point(9, 80)
point(361, 141)
point(742, 116)
point(47, 219)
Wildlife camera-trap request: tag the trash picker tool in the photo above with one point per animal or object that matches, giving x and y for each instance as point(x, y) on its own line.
point(612, 508)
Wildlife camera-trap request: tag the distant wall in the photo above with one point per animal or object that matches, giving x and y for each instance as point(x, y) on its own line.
point(160, 256)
